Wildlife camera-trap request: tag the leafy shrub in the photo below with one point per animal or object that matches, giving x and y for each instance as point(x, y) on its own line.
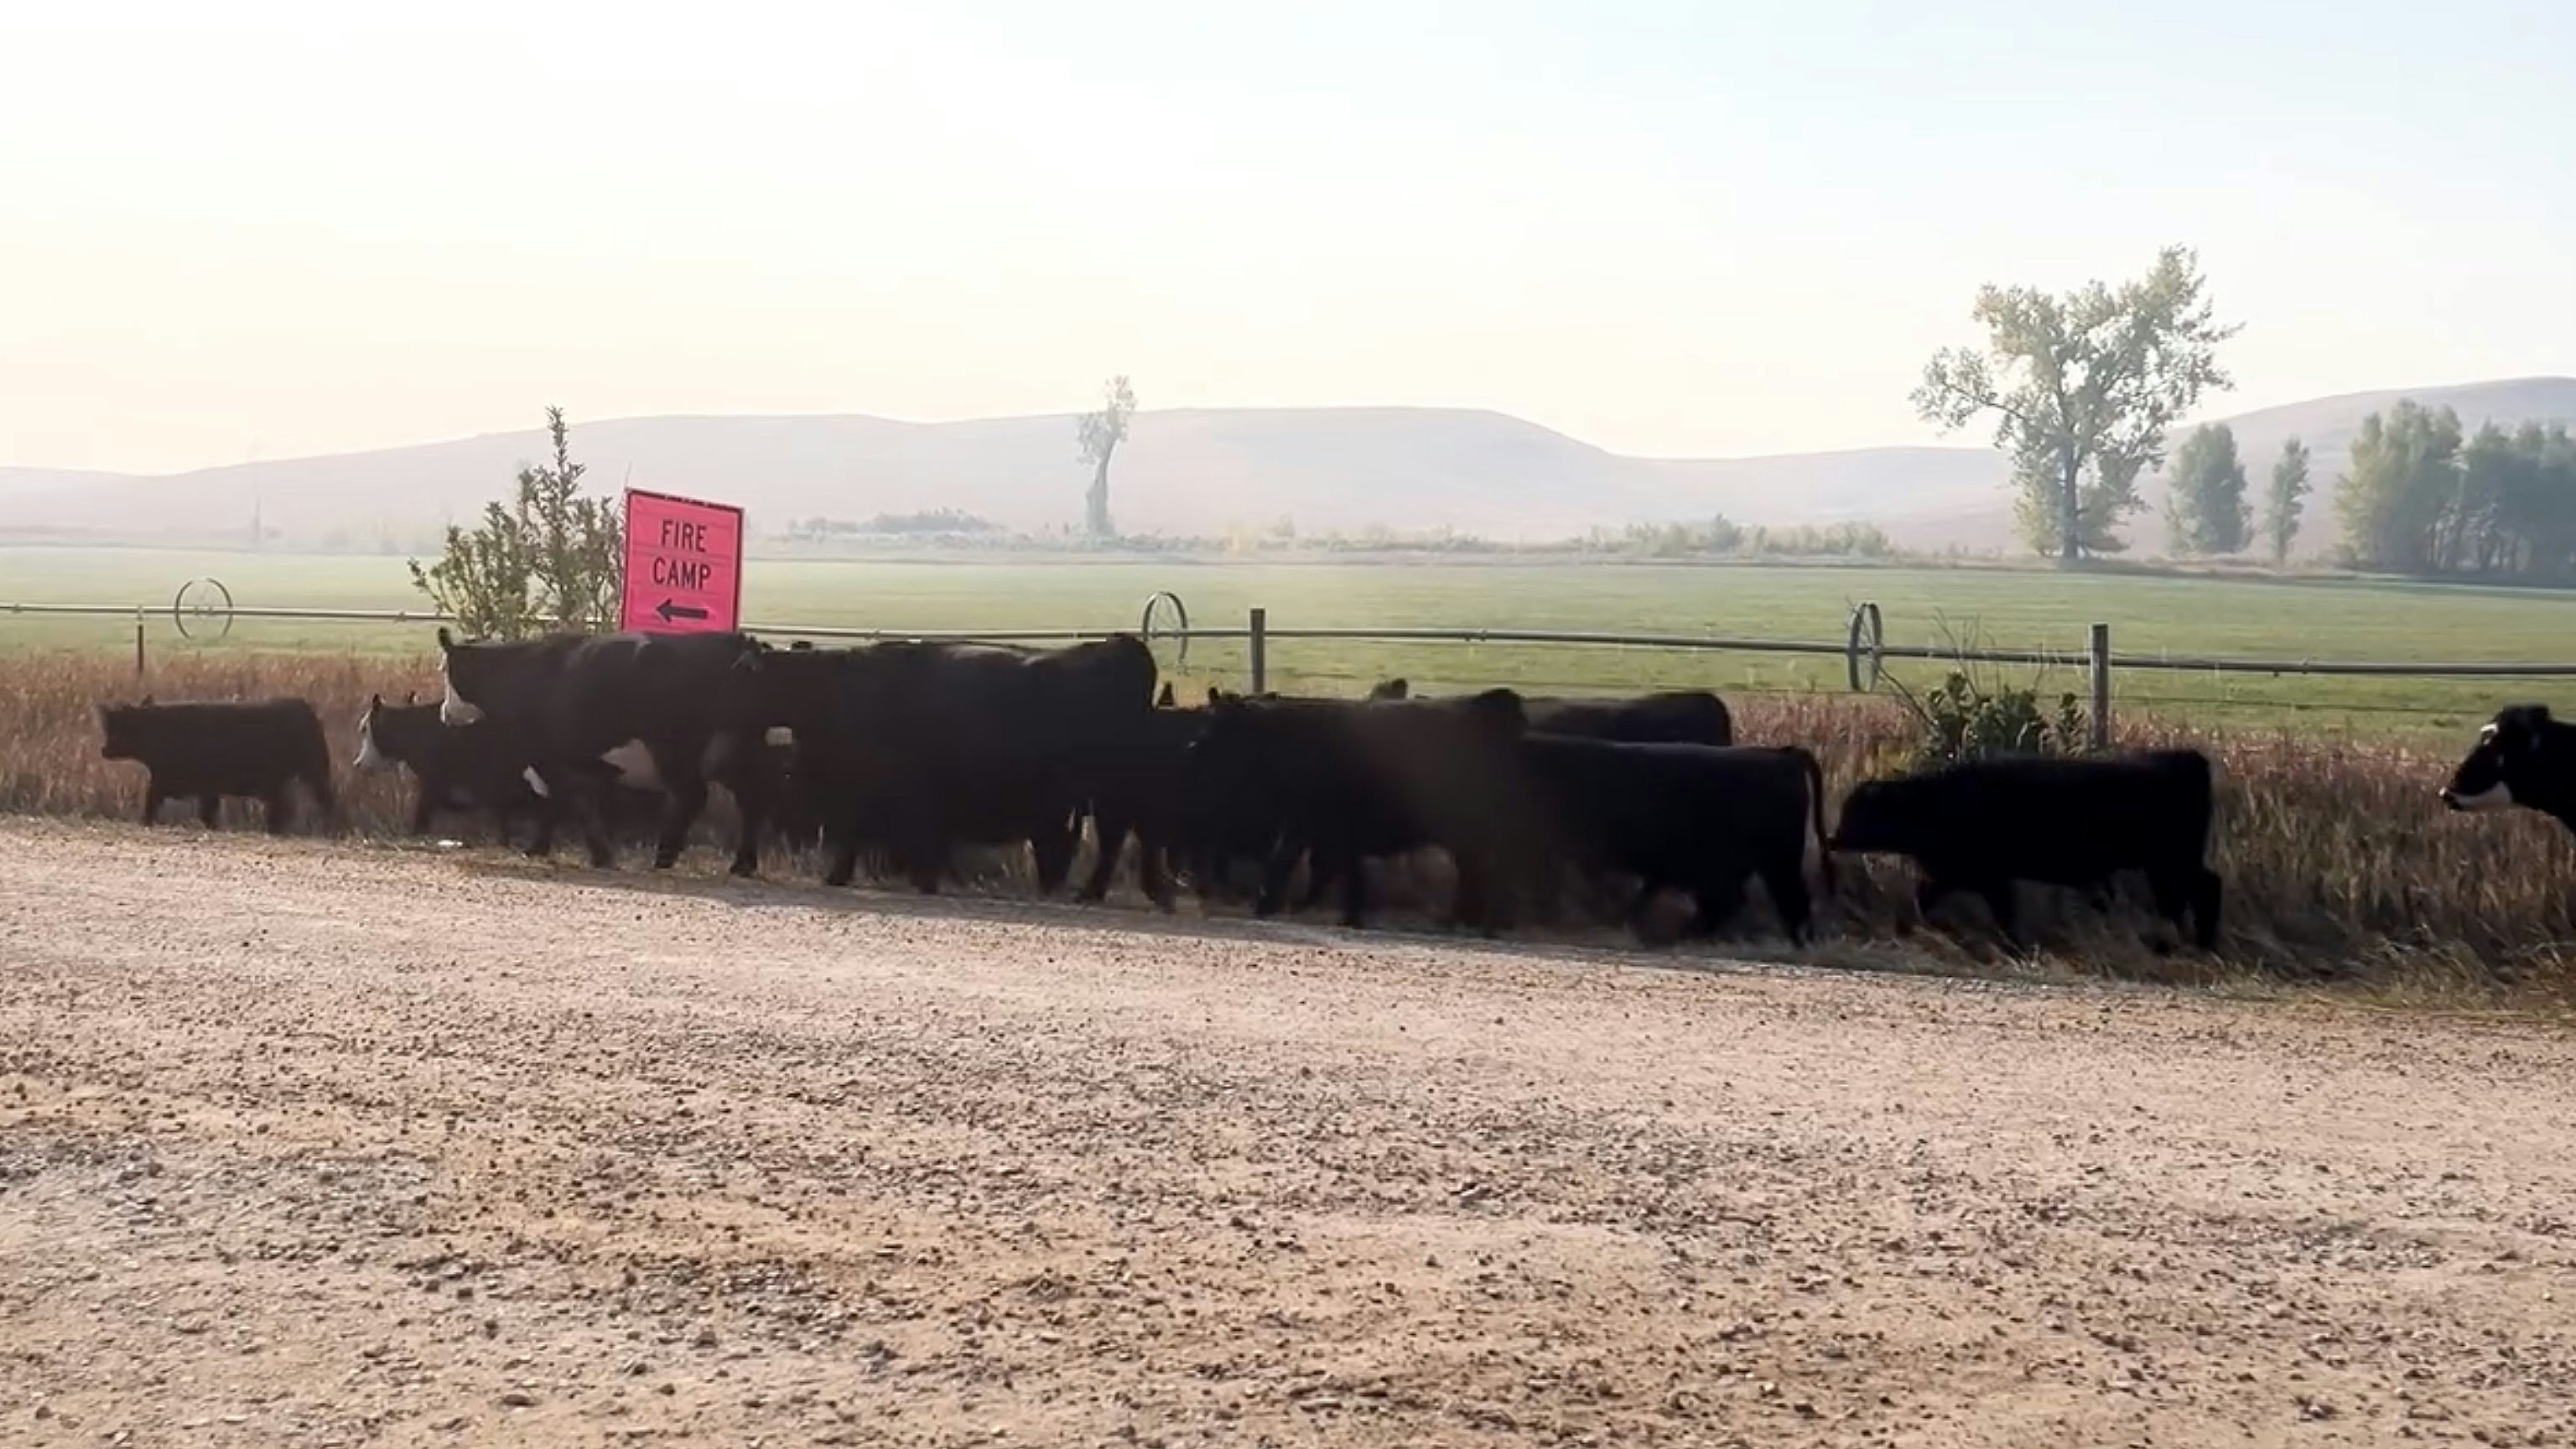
point(549, 559)
point(1964, 719)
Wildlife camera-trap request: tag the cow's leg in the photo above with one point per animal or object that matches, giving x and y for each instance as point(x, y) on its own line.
point(1787, 883)
point(2192, 890)
point(924, 865)
point(2000, 902)
point(685, 795)
point(838, 819)
point(420, 810)
point(1929, 892)
point(1210, 875)
point(1276, 871)
point(1640, 911)
point(753, 786)
point(1481, 900)
point(1354, 878)
point(547, 811)
point(1320, 879)
point(153, 800)
point(2207, 893)
point(921, 850)
point(209, 810)
point(594, 830)
point(1053, 845)
point(1714, 903)
point(278, 805)
point(1110, 828)
point(587, 798)
point(843, 866)
point(1547, 892)
point(1154, 871)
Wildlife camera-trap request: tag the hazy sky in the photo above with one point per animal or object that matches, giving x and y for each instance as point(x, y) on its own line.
point(1671, 228)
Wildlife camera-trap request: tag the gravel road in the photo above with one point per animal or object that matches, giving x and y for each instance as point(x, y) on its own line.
point(306, 1143)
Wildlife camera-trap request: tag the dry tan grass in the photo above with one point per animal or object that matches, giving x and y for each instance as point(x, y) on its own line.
point(2340, 863)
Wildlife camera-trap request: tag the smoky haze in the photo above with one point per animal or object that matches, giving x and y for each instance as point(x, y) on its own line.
point(1190, 472)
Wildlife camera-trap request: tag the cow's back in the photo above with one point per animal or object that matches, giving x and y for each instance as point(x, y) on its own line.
point(582, 695)
point(2046, 817)
point(1685, 717)
point(244, 748)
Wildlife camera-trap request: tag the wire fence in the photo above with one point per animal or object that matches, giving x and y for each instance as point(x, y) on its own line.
point(204, 613)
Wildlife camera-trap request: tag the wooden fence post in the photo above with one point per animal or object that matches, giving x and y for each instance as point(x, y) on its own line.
point(138, 644)
point(2099, 650)
point(1260, 641)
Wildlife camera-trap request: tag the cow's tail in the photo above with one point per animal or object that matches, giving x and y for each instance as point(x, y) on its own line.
point(316, 768)
point(1814, 826)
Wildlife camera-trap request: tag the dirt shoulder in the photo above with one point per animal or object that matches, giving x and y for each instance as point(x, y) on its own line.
point(316, 1144)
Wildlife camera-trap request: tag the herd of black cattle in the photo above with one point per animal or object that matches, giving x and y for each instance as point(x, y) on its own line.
point(904, 752)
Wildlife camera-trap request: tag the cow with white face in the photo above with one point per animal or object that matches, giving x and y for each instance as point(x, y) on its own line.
point(2523, 757)
point(584, 713)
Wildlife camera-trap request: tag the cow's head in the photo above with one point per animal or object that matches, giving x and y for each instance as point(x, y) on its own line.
point(470, 677)
point(1497, 710)
point(2506, 767)
point(120, 730)
point(370, 759)
point(460, 680)
point(1877, 816)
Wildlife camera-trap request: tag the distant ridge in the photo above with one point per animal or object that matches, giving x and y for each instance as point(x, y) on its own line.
point(1188, 471)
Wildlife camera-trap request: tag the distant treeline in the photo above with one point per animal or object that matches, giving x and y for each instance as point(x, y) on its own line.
point(1716, 538)
point(937, 522)
point(1723, 538)
point(2418, 498)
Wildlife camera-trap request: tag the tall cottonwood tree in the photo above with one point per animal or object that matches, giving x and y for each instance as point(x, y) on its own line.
point(2083, 387)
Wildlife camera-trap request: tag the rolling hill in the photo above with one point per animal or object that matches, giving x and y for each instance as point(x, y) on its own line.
point(1189, 471)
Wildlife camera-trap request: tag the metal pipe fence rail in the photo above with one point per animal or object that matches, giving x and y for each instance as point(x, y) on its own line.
point(1863, 648)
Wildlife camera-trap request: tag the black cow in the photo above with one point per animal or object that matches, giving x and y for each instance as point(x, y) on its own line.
point(923, 747)
point(1136, 788)
point(1673, 717)
point(1982, 825)
point(665, 713)
point(1348, 780)
point(2523, 757)
point(1698, 818)
point(1680, 717)
point(255, 751)
point(454, 767)
point(480, 765)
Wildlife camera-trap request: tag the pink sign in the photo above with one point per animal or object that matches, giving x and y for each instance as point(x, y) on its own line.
point(683, 565)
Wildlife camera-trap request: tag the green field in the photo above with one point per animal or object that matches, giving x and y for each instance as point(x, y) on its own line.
point(2148, 615)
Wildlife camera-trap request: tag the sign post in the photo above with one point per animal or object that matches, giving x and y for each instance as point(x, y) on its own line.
point(683, 565)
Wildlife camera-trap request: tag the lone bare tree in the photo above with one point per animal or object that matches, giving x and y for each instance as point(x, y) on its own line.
point(1099, 434)
point(2083, 387)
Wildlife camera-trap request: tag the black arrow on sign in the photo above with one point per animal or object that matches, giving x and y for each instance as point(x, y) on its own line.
point(670, 611)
